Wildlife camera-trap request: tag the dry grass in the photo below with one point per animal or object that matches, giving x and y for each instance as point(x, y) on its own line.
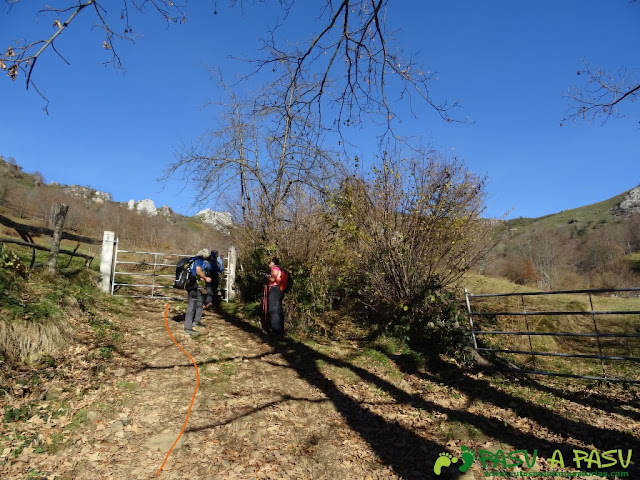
point(575, 324)
point(27, 341)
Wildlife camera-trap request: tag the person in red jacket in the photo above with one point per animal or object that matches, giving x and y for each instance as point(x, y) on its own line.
point(275, 314)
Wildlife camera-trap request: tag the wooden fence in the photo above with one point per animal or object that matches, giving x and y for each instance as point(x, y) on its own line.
point(26, 233)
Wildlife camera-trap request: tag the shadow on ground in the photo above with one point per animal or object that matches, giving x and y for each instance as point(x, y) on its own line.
point(413, 456)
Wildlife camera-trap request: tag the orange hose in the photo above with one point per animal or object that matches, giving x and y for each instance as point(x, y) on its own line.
point(193, 398)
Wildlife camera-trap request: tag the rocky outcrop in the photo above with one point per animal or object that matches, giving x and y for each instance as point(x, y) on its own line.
point(220, 220)
point(630, 204)
point(165, 210)
point(143, 206)
point(147, 206)
point(85, 192)
point(101, 197)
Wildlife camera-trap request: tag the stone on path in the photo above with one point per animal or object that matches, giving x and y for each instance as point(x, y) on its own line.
point(164, 441)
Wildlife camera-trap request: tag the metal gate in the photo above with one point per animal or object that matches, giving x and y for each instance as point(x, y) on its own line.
point(595, 342)
point(151, 274)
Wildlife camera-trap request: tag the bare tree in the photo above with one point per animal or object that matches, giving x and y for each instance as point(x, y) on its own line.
point(258, 158)
point(416, 227)
point(602, 94)
point(352, 67)
point(52, 263)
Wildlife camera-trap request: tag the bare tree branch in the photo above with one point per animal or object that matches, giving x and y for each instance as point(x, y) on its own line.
point(256, 158)
point(352, 67)
point(600, 97)
point(21, 57)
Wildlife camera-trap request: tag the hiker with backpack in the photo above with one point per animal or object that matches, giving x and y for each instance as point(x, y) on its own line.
point(197, 269)
point(215, 268)
point(278, 282)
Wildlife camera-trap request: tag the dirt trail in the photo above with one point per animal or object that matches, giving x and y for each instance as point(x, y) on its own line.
point(253, 416)
point(278, 409)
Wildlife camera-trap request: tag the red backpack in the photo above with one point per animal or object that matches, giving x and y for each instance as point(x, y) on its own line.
point(286, 280)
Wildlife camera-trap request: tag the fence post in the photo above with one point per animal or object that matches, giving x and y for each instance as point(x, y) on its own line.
point(106, 260)
point(473, 333)
point(52, 264)
point(231, 274)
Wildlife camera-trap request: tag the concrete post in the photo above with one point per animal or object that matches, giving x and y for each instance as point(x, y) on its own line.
point(106, 260)
point(231, 273)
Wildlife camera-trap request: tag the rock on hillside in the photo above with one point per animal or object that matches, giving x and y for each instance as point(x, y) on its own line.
point(630, 204)
point(143, 206)
point(165, 210)
point(147, 206)
point(220, 220)
point(86, 192)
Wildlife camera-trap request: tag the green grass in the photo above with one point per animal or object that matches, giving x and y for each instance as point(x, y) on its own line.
point(17, 414)
point(634, 261)
point(376, 360)
point(35, 474)
point(589, 216)
point(80, 418)
point(35, 307)
point(228, 369)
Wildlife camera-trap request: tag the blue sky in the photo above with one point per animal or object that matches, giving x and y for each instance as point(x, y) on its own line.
point(509, 62)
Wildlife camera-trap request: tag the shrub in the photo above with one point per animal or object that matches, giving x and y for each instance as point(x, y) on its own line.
point(383, 250)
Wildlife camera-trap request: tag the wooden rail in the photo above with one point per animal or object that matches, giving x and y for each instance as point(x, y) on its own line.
point(25, 232)
point(40, 247)
point(47, 231)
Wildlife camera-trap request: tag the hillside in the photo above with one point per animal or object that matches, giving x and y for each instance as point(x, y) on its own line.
point(594, 246)
point(25, 198)
point(15, 182)
point(589, 215)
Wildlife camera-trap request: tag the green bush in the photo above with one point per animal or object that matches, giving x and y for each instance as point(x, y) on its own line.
point(439, 325)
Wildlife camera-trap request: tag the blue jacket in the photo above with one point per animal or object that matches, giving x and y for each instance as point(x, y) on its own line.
point(199, 262)
point(214, 269)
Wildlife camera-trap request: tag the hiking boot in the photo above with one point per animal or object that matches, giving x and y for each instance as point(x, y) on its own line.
point(190, 331)
point(200, 324)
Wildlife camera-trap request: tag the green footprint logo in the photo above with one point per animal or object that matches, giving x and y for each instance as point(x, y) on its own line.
point(467, 459)
point(444, 460)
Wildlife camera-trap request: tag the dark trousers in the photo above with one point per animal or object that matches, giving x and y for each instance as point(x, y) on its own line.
point(274, 309)
point(211, 291)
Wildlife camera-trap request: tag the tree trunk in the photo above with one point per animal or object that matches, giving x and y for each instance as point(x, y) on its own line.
point(57, 237)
